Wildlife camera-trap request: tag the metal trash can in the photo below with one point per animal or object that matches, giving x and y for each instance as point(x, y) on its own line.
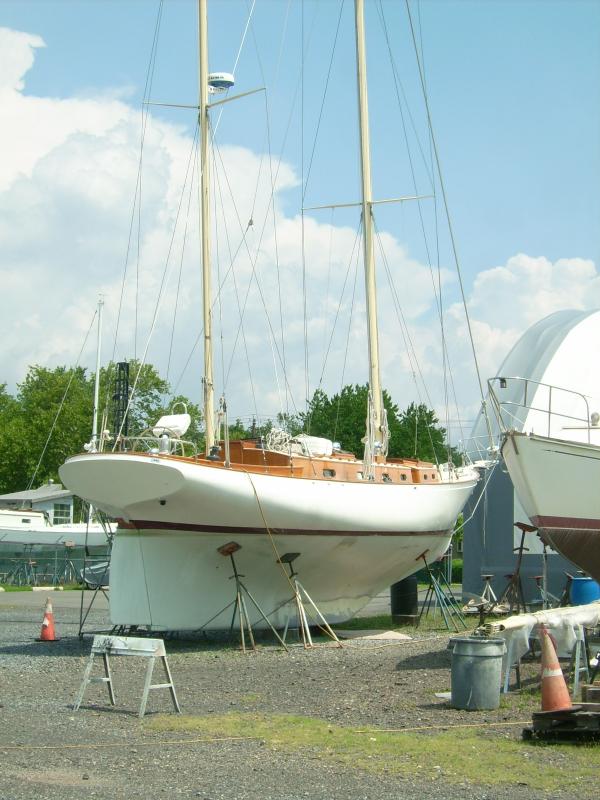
point(476, 672)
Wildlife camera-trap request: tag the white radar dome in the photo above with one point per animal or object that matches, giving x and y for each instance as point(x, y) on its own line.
point(220, 82)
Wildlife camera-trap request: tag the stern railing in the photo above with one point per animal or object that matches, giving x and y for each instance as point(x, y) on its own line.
point(523, 395)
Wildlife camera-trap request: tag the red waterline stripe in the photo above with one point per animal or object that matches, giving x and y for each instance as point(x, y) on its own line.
point(146, 524)
point(567, 522)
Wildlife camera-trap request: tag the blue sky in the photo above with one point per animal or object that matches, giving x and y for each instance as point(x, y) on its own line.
point(514, 91)
point(515, 96)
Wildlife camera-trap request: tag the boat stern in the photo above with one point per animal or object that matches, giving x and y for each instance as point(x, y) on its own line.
point(118, 482)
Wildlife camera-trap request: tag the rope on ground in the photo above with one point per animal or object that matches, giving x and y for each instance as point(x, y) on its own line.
point(99, 745)
point(212, 740)
point(443, 727)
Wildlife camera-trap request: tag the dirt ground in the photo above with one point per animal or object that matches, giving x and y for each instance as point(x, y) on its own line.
point(49, 751)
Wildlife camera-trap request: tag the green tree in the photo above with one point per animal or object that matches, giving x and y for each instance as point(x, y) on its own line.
point(13, 469)
point(50, 418)
point(289, 422)
point(414, 433)
point(55, 408)
point(418, 434)
point(341, 417)
point(150, 400)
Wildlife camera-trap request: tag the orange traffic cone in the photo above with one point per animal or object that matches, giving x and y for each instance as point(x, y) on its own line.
point(48, 634)
point(555, 695)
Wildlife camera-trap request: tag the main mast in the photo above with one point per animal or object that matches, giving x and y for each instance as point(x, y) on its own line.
point(379, 443)
point(95, 437)
point(209, 415)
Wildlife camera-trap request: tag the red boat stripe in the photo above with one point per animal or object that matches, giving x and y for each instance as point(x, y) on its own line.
point(566, 522)
point(146, 524)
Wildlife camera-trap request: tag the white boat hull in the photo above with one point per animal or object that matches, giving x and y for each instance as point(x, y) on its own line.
point(354, 539)
point(557, 482)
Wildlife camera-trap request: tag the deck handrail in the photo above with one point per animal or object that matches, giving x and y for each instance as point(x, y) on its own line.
point(504, 409)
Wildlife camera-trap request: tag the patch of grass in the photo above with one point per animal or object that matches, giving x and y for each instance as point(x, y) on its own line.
point(378, 622)
point(9, 587)
point(429, 622)
point(524, 700)
point(434, 621)
point(67, 587)
point(452, 755)
point(249, 699)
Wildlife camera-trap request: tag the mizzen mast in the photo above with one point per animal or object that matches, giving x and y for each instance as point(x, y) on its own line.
point(209, 416)
point(377, 440)
point(95, 437)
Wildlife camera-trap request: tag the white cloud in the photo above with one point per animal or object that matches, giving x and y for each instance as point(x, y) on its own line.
point(530, 288)
point(17, 54)
point(31, 127)
point(67, 186)
point(504, 302)
point(66, 193)
point(507, 300)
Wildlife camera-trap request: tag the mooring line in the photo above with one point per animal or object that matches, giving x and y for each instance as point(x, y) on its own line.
point(92, 746)
point(162, 742)
point(442, 727)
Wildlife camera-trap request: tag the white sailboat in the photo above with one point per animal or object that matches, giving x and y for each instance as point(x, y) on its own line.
point(32, 529)
point(353, 526)
point(554, 463)
point(546, 400)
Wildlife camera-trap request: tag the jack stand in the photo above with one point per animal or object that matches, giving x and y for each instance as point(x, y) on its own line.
point(299, 599)
point(513, 593)
point(98, 588)
point(488, 599)
point(549, 600)
point(239, 606)
point(488, 594)
point(440, 594)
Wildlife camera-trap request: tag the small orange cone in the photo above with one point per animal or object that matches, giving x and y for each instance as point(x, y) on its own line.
point(555, 695)
point(48, 634)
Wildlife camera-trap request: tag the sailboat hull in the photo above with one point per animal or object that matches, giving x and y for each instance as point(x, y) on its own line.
point(557, 481)
point(353, 539)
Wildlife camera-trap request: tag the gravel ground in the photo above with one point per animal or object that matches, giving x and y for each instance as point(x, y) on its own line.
point(49, 751)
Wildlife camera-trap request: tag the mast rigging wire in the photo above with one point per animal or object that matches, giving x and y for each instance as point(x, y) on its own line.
point(252, 260)
point(159, 298)
point(437, 291)
point(62, 402)
point(450, 226)
point(185, 231)
point(145, 117)
point(350, 317)
point(232, 258)
point(323, 98)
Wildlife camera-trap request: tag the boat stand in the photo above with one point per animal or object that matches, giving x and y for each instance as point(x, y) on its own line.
point(239, 604)
point(513, 593)
point(299, 600)
point(83, 614)
point(439, 593)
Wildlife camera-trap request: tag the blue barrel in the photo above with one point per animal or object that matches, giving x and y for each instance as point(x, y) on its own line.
point(476, 672)
point(584, 590)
